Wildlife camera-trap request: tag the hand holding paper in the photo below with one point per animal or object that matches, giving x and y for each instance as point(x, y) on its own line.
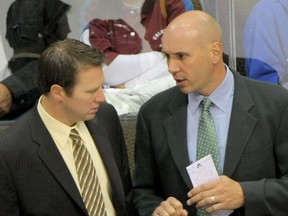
point(204, 171)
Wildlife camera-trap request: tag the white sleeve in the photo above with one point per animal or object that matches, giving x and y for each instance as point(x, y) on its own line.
point(130, 69)
point(159, 70)
point(130, 100)
point(4, 70)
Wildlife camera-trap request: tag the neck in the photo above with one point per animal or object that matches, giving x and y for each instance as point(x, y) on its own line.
point(218, 77)
point(53, 108)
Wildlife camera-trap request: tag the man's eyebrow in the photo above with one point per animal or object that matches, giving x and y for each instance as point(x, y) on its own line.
point(176, 53)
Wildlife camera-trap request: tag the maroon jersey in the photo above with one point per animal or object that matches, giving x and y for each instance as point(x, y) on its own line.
point(155, 24)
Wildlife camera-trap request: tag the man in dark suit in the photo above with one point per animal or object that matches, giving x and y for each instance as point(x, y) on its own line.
point(38, 169)
point(251, 124)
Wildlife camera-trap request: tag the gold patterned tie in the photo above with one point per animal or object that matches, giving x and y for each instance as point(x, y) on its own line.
point(87, 177)
point(207, 142)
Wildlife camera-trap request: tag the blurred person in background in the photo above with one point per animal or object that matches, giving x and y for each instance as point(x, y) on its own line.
point(266, 42)
point(31, 25)
point(131, 79)
point(4, 71)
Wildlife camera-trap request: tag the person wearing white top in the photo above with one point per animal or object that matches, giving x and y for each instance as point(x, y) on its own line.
point(4, 71)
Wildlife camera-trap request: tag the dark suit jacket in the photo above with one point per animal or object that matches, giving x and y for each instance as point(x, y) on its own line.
point(34, 179)
point(256, 154)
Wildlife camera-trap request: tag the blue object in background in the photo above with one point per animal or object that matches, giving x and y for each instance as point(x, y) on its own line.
point(188, 5)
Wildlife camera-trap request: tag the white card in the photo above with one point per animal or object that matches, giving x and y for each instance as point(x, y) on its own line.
point(204, 171)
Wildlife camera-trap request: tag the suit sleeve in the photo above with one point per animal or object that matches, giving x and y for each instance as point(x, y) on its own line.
point(269, 196)
point(110, 120)
point(8, 198)
point(146, 187)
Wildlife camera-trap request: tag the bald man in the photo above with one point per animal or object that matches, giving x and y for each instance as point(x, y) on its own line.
point(251, 126)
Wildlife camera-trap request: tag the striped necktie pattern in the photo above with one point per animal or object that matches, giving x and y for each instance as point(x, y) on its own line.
point(87, 177)
point(207, 142)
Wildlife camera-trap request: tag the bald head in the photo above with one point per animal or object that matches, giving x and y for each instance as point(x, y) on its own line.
point(196, 24)
point(193, 49)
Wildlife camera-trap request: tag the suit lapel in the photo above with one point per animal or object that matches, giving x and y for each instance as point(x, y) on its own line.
point(52, 158)
point(176, 131)
point(238, 136)
point(103, 145)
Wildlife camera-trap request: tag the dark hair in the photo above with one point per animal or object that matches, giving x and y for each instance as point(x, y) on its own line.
point(61, 62)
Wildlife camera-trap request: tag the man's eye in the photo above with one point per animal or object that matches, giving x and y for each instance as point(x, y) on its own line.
point(180, 56)
point(92, 91)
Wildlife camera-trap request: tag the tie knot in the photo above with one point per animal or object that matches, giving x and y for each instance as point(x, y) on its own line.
point(74, 134)
point(206, 104)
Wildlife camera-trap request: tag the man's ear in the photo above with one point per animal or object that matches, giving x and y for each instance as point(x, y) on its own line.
point(57, 92)
point(217, 52)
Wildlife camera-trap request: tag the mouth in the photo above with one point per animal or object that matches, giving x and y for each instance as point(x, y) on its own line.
point(180, 82)
point(94, 110)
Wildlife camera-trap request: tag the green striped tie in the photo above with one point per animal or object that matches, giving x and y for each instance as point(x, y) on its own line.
point(207, 142)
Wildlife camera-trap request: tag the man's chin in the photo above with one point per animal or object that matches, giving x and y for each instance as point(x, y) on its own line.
point(90, 116)
point(185, 90)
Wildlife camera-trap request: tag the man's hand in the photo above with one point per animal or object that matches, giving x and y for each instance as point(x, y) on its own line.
point(222, 194)
point(170, 207)
point(5, 100)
